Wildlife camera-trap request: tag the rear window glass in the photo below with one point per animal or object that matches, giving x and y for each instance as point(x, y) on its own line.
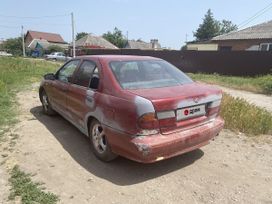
point(144, 74)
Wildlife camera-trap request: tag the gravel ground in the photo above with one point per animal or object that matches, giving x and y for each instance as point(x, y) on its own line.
point(231, 169)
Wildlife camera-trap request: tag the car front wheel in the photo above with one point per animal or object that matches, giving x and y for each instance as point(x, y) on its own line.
point(47, 109)
point(100, 145)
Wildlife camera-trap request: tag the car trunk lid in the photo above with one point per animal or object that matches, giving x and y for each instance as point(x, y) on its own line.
point(183, 107)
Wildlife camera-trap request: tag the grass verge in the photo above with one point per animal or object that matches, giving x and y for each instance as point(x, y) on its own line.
point(15, 74)
point(29, 191)
point(241, 116)
point(260, 84)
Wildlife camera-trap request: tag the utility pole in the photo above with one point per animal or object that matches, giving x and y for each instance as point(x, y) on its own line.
point(73, 35)
point(23, 41)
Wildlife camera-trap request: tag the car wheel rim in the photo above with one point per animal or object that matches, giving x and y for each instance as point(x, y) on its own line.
point(45, 102)
point(99, 138)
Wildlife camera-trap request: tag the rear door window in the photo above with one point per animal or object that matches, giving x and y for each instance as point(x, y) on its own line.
point(84, 73)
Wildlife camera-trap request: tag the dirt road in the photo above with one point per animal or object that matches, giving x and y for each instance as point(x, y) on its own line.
point(232, 169)
point(260, 100)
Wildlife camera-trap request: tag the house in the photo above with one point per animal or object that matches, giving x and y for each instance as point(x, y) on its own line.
point(44, 44)
point(94, 42)
point(258, 37)
point(139, 44)
point(50, 37)
point(38, 42)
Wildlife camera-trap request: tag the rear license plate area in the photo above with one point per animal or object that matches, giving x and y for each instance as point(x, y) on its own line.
point(191, 112)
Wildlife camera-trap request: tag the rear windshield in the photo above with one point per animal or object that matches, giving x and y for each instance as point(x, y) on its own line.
point(144, 74)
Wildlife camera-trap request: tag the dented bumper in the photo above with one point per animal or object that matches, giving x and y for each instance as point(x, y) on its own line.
point(148, 149)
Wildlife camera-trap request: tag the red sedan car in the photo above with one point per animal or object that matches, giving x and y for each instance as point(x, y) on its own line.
point(141, 108)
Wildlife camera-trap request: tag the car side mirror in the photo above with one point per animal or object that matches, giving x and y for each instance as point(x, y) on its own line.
point(49, 76)
point(94, 82)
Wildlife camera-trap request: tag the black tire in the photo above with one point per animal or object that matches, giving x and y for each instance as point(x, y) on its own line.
point(47, 109)
point(100, 145)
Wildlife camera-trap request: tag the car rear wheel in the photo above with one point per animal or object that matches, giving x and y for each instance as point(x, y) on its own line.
point(100, 145)
point(47, 109)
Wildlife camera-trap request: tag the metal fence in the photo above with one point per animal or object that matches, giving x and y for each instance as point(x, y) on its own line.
point(237, 63)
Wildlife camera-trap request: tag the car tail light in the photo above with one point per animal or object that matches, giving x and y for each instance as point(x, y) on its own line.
point(148, 121)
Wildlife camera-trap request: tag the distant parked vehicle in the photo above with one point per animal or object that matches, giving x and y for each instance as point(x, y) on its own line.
point(57, 56)
point(5, 54)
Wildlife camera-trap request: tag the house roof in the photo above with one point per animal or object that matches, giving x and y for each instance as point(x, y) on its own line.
point(133, 44)
point(92, 41)
point(50, 37)
point(260, 31)
point(44, 44)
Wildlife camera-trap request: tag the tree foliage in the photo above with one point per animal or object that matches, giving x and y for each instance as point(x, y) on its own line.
point(80, 35)
point(13, 46)
point(227, 26)
point(211, 27)
point(116, 37)
point(54, 48)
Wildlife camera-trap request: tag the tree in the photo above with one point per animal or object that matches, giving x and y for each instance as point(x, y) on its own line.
point(227, 26)
point(212, 27)
point(54, 48)
point(208, 29)
point(80, 35)
point(116, 37)
point(13, 46)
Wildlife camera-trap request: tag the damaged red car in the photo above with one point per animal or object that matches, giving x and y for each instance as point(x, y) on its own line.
point(141, 108)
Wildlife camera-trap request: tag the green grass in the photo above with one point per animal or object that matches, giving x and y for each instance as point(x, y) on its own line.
point(29, 191)
point(15, 75)
point(259, 84)
point(241, 116)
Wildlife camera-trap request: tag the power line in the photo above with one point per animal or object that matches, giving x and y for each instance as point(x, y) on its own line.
point(34, 17)
point(256, 15)
point(249, 20)
point(35, 23)
point(12, 27)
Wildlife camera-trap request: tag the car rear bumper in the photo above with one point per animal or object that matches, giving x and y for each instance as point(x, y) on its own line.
point(148, 149)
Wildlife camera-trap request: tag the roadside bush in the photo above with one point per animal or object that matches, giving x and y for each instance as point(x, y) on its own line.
point(13, 46)
point(241, 116)
point(54, 48)
point(266, 83)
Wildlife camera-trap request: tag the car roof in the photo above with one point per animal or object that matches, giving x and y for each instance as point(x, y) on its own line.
point(117, 57)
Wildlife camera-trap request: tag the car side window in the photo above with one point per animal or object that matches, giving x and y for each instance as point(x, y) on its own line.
point(94, 83)
point(84, 74)
point(68, 70)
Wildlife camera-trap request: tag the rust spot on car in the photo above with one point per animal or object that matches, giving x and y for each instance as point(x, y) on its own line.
point(144, 148)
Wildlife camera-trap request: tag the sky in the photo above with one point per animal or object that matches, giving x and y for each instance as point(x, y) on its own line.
point(170, 21)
